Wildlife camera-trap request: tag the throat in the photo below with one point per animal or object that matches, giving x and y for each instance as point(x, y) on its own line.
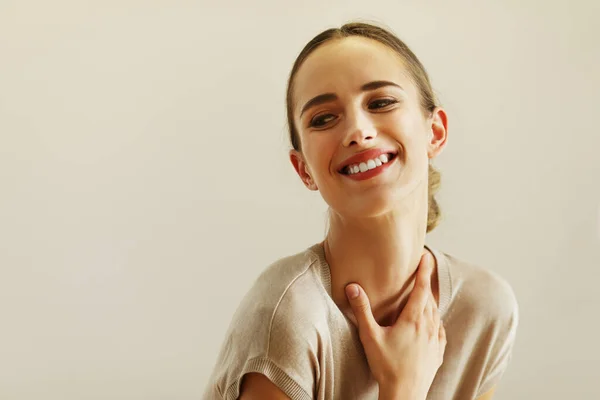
point(388, 287)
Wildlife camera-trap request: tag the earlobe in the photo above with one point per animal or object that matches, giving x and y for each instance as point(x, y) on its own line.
point(438, 133)
point(301, 168)
point(310, 183)
point(307, 179)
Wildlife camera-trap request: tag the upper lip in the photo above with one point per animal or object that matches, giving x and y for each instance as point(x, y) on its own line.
point(363, 156)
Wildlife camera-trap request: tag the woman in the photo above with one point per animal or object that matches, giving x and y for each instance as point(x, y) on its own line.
point(364, 126)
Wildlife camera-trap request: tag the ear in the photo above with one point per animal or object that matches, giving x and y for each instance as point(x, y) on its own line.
point(301, 168)
point(438, 132)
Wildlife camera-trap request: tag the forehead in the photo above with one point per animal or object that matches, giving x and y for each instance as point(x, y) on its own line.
point(346, 64)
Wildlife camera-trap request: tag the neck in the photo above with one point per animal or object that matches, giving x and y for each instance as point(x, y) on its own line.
point(381, 254)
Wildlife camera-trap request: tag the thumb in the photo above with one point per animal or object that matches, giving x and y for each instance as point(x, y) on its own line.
point(361, 308)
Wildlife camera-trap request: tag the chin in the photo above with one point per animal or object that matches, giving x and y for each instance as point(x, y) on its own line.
point(380, 202)
point(366, 207)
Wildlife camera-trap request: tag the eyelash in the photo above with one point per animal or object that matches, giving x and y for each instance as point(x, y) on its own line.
point(388, 102)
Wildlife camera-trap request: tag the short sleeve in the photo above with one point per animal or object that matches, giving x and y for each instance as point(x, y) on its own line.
point(272, 333)
point(502, 331)
point(275, 373)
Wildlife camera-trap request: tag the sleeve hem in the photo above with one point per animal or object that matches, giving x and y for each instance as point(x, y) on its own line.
point(275, 374)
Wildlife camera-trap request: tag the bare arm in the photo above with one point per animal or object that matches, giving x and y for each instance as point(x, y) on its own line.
point(256, 386)
point(488, 395)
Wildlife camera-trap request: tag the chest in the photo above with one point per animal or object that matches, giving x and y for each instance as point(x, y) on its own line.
point(344, 371)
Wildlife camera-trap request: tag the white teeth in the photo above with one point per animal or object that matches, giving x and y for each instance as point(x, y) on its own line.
point(367, 165)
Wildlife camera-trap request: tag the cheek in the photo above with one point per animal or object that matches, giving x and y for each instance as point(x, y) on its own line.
point(411, 131)
point(407, 124)
point(320, 151)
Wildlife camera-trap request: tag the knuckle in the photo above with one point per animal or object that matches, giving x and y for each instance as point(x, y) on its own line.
point(418, 325)
point(422, 284)
point(431, 331)
point(364, 335)
point(367, 335)
point(363, 307)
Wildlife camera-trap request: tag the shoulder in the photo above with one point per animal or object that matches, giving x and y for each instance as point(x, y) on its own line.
point(288, 282)
point(482, 320)
point(482, 292)
point(278, 295)
point(275, 330)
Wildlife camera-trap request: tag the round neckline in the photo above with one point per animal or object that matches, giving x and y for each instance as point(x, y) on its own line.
point(442, 270)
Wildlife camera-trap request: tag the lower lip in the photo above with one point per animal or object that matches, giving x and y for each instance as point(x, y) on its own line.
point(361, 176)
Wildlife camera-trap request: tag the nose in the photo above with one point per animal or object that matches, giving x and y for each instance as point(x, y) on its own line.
point(360, 129)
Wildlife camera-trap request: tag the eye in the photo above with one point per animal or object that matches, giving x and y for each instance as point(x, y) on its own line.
point(381, 103)
point(321, 120)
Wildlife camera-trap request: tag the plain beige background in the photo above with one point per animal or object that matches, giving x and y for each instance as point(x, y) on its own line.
point(144, 180)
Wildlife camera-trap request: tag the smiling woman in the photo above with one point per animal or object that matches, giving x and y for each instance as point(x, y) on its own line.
point(371, 311)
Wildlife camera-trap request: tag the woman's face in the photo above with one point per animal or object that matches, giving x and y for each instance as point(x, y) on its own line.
point(354, 101)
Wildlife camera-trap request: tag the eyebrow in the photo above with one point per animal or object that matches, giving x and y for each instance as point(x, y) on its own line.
point(327, 97)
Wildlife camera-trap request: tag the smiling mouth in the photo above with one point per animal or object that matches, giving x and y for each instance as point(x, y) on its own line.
point(368, 165)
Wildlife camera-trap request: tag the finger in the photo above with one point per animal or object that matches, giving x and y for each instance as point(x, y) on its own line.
point(442, 335)
point(430, 310)
point(437, 320)
point(430, 305)
point(361, 308)
point(418, 298)
point(443, 341)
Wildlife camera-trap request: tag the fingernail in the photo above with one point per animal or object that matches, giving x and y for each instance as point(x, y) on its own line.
point(352, 291)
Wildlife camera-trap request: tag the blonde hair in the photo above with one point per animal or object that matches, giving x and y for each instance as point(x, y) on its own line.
point(417, 72)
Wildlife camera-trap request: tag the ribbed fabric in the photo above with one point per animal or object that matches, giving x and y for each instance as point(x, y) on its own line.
point(275, 374)
point(444, 281)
